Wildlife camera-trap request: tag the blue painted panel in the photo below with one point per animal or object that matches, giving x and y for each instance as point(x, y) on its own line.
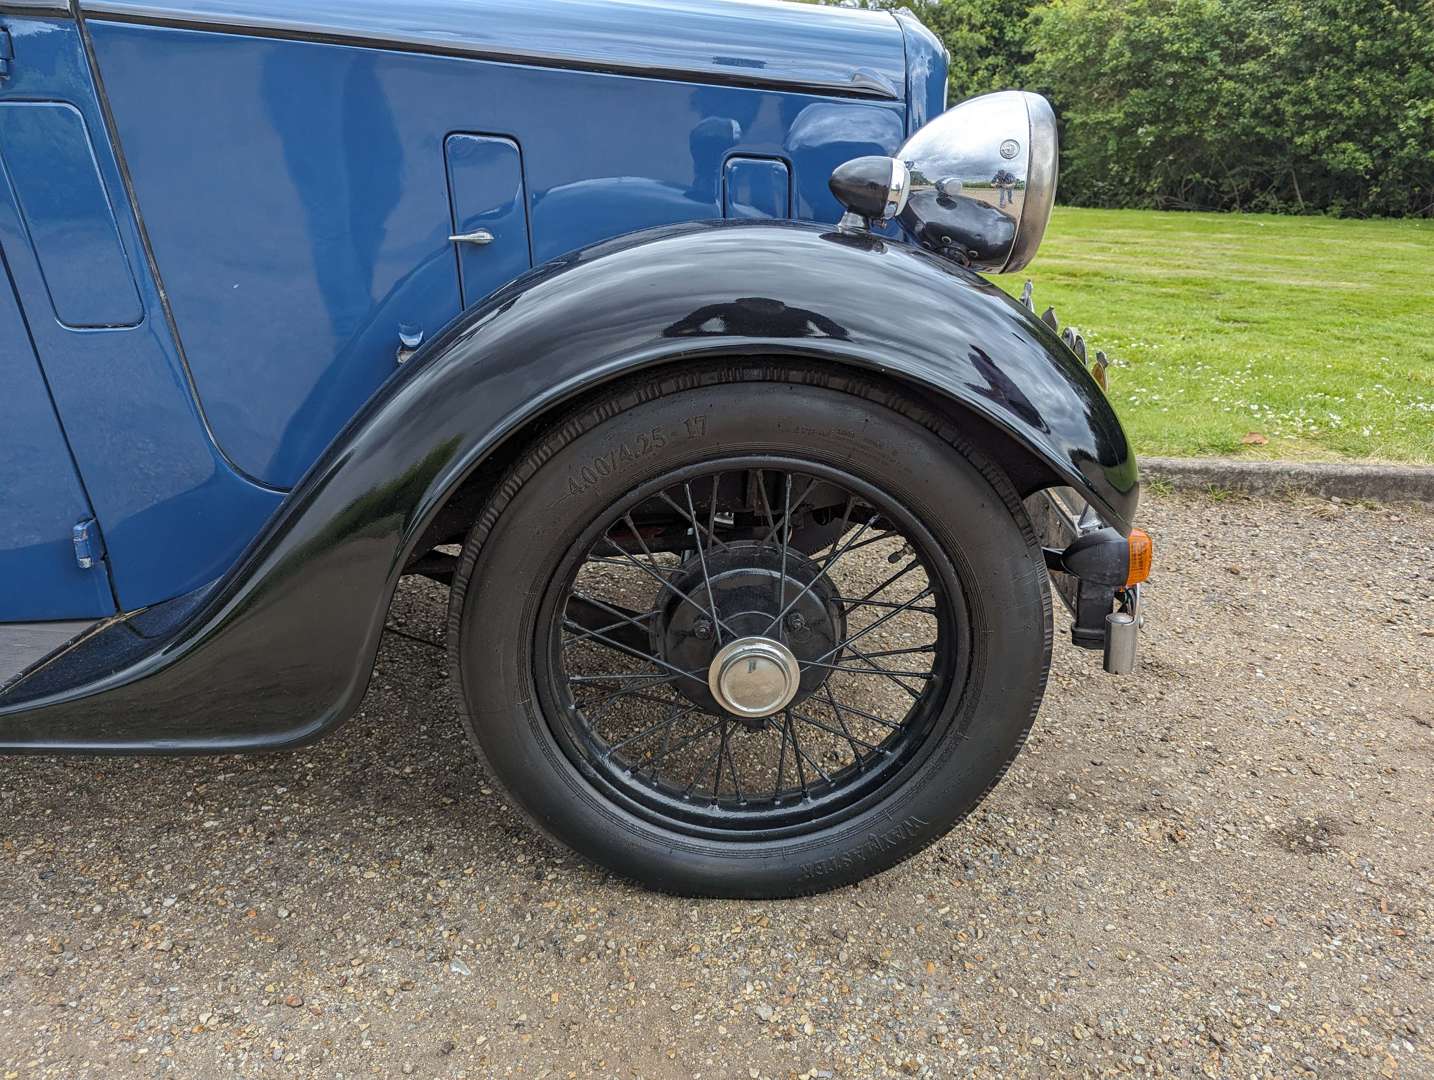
point(927, 64)
point(315, 176)
point(485, 184)
point(174, 514)
point(40, 495)
point(53, 173)
point(756, 188)
point(821, 48)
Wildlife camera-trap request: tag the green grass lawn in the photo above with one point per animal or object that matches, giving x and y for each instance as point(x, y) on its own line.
point(1315, 333)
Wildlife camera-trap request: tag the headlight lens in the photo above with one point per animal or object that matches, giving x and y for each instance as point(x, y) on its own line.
point(983, 180)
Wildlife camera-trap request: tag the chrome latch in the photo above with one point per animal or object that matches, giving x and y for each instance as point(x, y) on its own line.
point(409, 339)
point(477, 236)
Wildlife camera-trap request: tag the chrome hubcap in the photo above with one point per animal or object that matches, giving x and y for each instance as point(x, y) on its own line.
point(754, 676)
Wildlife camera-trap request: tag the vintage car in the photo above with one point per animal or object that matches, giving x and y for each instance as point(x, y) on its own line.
point(653, 329)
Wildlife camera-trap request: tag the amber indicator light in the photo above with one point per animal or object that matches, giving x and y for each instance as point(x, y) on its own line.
point(1142, 551)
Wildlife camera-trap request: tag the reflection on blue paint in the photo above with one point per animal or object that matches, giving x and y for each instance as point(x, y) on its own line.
point(317, 173)
point(300, 197)
point(40, 496)
point(485, 188)
point(56, 185)
point(173, 514)
point(756, 188)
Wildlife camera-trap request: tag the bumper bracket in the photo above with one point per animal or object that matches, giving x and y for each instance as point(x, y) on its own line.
point(1087, 560)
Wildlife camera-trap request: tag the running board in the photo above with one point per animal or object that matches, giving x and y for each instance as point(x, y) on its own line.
point(23, 645)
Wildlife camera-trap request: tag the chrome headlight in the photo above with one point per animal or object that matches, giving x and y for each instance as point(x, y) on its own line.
point(983, 179)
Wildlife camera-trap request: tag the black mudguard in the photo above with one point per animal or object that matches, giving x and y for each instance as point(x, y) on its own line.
point(280, 649)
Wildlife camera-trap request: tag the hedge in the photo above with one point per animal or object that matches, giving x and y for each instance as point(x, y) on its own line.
point(1271, 105)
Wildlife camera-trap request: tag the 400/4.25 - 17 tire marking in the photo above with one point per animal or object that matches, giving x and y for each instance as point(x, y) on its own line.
point(629, 452)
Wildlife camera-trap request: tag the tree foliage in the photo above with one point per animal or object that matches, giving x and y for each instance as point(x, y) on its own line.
point(1284, 105)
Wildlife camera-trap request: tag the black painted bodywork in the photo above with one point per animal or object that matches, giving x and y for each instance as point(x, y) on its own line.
point(280, 650)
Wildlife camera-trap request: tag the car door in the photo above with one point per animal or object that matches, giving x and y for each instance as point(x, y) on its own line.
point(52, 564)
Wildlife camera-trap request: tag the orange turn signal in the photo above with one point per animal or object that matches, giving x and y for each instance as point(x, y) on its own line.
point(1142, 553)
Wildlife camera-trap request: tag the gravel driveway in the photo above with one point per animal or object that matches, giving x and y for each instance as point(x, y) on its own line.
point(1224, 867)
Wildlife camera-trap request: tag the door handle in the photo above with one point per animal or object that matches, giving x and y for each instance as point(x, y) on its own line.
point(477, 236)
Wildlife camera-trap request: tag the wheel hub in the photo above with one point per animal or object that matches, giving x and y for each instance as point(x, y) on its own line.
point(754, 677)
point(753, 659)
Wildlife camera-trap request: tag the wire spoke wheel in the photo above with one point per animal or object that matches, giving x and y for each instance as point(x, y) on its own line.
point(750, 648)
point(750, 629)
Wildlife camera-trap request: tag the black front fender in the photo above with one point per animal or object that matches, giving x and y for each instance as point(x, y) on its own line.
point(281, 648)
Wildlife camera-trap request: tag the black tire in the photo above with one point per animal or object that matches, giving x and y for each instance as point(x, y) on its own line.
point(873, 433)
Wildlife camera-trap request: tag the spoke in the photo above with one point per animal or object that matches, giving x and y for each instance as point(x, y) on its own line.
point(862, 713)
point(688, 741)
point(922, 595)
point(826, 567)
point(766, 503)
point(827, 690)
point(622, 613)
point(665, 584)
point(845, 524)
point(787, 514)
point(637, 695)
point(652, 736)
point(848, 601)
point(630, 651)
point(632, 692)
point(708, 763)
point(666, 722)
point(628, 676)
point(912, 565)
point(866, 543)
point(580, 638)
point(655, 568)
point(870, 671)
point(790, 733)
point(623, 620)
point(580, 608)
point(891, 675)
point(712, 511)
point(698, 526)
point(732, 765)
point(781, 761)
point(786, 546)
point(899, 652)
point(702, 558)
point(877, 669)
point(797, 746)
point(848, 736)
point(652, 762)
point(722, 752)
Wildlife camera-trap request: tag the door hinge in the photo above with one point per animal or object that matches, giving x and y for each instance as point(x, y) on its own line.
point(7, 53)
point(89, 544)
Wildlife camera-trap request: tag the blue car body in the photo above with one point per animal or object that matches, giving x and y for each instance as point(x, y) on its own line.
point(226, 224)
point(287, 176)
